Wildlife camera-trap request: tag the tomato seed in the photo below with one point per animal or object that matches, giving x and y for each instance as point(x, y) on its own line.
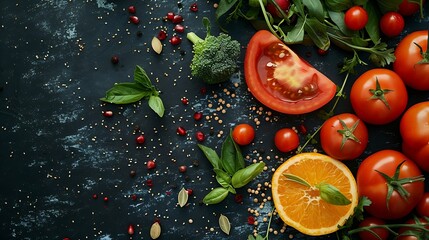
point(175, 40)
point(131, 229)
point(140, 139)
point(132, 9)
point(177, 19)
point(134, 19)
point(150, 164)
point(162, 35)
point(200, 136)
point(198, 116)
point(107, 113)
point(181, 131)
point(179, 28)
point(193, 7)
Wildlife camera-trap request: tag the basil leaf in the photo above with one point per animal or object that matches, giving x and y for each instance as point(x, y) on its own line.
point(125, 93)
point(317, 31)
point(231, 189)
point(388, 6)
point(142, 78)
point(296, 35)
point(247, 174)
point(224, 6)
point(217, 195)
point(332, 195)
point(211, 155)
point(156, 104)
point(222, 177)
point(372, 26)
point(338, 5)
point(232, 160)
point(315, 9)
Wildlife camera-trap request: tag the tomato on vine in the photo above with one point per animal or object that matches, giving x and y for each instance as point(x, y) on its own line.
point(282, 4)
point(286, 140)
point(392, 24)
point(382, 233)
point(392, 182)
point(356, 18)
point(379, 96)
point(243, 134)
point(422, 207)
point(344, 136)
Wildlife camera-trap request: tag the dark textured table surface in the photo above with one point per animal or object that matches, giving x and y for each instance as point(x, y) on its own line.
point(65, 168)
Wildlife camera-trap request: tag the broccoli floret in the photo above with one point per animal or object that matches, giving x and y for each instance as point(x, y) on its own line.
point(215, 58)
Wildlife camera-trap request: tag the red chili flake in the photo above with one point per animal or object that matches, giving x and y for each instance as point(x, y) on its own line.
point(107, 113)
point(251, 220)
point(200, 136)
point(181, 131)
point(132, 9)
point(134, 19)
point(140, 139)
point(168, 193)
point(302, 129)
point(193, 7)
point(66, 238)
point(184, 100)
point(94, 196)
point(134, 197)
point(150, 164)
point(132, 173)
point(162, 35)
point(189, 191)
point(198, 116)
point(149, 183)
point(106, 199)
point(175, 40)
point(182, 169)
point(177, 19)
point(115, 59)
point(322, 52)
point(131, 229)
point(203, 90)
point(238, 198)
point(179, 28)
point(170, 16)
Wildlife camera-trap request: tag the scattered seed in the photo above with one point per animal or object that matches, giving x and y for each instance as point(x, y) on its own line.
point(182, 197)
point(224, 224)
point(155, 230)
point(156, 45)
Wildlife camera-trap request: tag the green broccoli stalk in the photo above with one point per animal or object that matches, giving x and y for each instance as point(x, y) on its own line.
point(215, 58)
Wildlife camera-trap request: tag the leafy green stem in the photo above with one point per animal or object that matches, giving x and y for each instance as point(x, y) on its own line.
point(261, 3)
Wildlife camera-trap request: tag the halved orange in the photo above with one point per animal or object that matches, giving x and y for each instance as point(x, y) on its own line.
point(300, 206)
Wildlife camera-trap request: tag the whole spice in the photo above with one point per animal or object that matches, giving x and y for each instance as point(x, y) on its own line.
point(155, 230)
point(156, 45)
point(224, 224)
point(182, 197)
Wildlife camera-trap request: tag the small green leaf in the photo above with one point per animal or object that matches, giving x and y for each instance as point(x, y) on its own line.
point(142, 78)
point(317, 31)
point(315, 9)
point(372, 26)
point(211, 155)
point(155, 103)
point(297, 179)
point(222, 178)
point(247, 174)
point(217, 195)
point(250, 237)
point(231, 158)
point(296, 34)
point(332, 195)
point(125, 93)
point(224, 6)
point(338, 5)
point(224, 224)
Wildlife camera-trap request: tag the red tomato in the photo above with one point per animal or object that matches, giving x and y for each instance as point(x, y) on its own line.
point(243, 134)
point(420, 235)
point(356, 18)
point(344, 136)
point(373, 185)
point(408, 54)
point(392, 24)
point(382, 233)
point(407, 8)
point(422, 207)
point(281, 80)
point(286, 140)
point(379, 104)
point(414, 129)
point(283, 4)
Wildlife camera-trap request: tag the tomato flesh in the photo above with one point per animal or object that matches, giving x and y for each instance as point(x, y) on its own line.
point(281, 80)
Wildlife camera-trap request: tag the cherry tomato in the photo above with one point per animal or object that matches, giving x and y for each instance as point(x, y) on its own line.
point(283, 4)
point(372, 184)
point(286, 140)
point(356, 18)
point(281, 80)
point(379, 96)
point(407, 8)
point(344, 136)
point(414, 129)
point(392, 24)
point(422, 207)
point(403, 230)
point(243, 134)
point(382, 233)
point(408, 55)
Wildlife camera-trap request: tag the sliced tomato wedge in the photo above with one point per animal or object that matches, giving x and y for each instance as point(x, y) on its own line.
point(279, 79)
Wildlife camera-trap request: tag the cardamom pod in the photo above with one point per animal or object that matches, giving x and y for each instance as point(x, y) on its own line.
point(155, 230)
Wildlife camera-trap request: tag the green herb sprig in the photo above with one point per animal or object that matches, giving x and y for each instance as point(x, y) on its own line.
point(231, 172)
point(130, 92)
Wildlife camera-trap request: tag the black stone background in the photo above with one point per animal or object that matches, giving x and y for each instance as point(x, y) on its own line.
point(57, 149)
